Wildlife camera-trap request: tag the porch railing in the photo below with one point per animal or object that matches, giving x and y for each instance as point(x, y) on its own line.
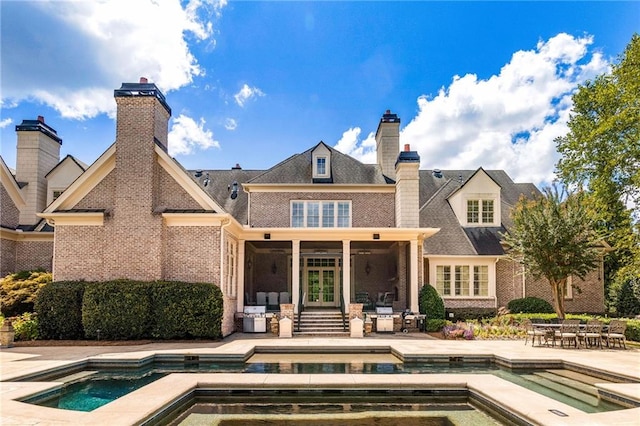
point(342, 311)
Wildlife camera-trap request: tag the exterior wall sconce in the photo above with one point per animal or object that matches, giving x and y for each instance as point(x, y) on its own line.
point(367, 268)
point(274, 268)
point(376, 236)
point(267, 236)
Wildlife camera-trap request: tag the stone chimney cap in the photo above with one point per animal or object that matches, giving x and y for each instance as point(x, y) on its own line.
point(143, 88)
point(389, 117)
point(39, 125)
point(408, 156)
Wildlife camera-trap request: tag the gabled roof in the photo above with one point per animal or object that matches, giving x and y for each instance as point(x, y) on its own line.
point(11, 185)
point(298, 169)
point(69, 158)
point(436, 212)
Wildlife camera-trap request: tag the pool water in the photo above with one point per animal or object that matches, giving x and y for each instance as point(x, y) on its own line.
point(88, 391)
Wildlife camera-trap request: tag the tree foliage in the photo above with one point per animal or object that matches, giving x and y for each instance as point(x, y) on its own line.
point(18, 291)
point(553, 236)
point(601, 155)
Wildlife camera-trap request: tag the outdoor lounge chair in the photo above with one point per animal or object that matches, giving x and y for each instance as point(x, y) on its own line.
point(591, 334)
point(615, 333)
point(569, 332)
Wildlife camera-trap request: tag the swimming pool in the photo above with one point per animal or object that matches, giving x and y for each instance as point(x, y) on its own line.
point(85, 389)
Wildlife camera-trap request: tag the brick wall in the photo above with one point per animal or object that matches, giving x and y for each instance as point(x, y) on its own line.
point(7, 257)
point(80, 253)
point(462, 302)
point(273, 210)
point(102, 196)
point(33, 255)
point(588, 299)
point(9, 213)
point(228, 319)
point(192, 254)
point(170, 194)
point(508, 281)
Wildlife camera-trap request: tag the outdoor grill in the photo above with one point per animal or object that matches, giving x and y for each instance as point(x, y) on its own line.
point(255, 320)
point(384, 319)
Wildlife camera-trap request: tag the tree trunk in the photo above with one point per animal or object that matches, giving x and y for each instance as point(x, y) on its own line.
point(557, 289)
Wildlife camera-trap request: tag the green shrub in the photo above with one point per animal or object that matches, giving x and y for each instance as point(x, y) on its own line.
point(530, 305)
point(628, 302)
point(186, 311)
point(470, 314)
point(117, 310)
point(430, 302)
point(18, 291)
point(435, 325)
point(25, 326)
point(59, 310)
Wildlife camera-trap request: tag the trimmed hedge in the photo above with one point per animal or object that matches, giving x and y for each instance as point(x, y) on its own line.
point(530, 305)
point(59, 310)
point(176, 316)
point(117, 310)
point(430, 302)
point(128, 310)
point(469, 314)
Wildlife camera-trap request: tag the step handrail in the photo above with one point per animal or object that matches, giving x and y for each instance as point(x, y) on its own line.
point(301, 298)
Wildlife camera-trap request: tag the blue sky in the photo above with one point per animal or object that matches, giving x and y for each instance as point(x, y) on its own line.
point(250, 82)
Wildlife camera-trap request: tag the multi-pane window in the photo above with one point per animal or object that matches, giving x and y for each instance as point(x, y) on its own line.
point(324, 214)
point(443, 279)
point(462, 280)
point(480, 211)
point(321, 166)
point(56, 194)
point(481, 280)
point(473, 211)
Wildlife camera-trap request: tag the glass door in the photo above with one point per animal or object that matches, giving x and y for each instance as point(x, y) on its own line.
point(321, 283)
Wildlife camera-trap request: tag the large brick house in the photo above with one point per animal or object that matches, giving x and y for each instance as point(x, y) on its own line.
point(319, 228)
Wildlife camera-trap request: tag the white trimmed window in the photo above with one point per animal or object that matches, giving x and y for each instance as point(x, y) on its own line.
point(321, 214)
point(480, 212)
point(463, 280)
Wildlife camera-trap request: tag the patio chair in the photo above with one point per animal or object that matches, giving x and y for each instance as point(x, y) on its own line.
point(272, 298)
point(569, 329)
point(261, 298)
point(285, 297)
point(615, 333)
point(385, 299)
point(533, 333)
point(591, 334)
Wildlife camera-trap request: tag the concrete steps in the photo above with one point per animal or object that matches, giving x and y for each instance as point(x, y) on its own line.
point(320, 323)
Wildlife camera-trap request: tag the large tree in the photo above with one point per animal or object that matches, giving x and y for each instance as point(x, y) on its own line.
point(553, 236)
point(601, 155)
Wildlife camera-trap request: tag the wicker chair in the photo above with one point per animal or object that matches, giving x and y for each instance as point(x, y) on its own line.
point(592, 333)
point(569, 330)
point(532, 333)
point(615, 333)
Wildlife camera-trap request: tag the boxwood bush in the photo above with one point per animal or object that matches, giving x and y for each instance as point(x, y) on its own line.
point(59, 310)
point(186, 311)
point(430, 303)
point(530, 305)
point(117, 310)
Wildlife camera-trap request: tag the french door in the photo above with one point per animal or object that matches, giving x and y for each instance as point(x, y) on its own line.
point(321, 282)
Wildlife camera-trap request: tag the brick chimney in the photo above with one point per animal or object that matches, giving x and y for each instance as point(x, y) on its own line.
point(388, 143)
point(38, 151)
point(135, 232)
point(407, 189)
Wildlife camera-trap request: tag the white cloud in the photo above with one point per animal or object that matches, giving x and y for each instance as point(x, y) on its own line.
point(351, 144)
point(98, 45)
point(4, 123)
point(187, 135)
point(246, 93)
point(508, 121)
point(230, 124)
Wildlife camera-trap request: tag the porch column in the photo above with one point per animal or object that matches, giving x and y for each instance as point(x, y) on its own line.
point(240, 279)
point(413, 276)
point(346, 273)
point(295, 274)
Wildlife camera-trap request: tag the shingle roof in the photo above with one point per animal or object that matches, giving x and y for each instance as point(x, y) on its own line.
point(454, 239)
point(298, 169)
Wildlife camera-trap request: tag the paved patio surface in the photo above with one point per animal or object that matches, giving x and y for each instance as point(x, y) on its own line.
point(135, 407)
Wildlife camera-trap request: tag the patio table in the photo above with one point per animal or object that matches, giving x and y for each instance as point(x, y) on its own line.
point(551, 329)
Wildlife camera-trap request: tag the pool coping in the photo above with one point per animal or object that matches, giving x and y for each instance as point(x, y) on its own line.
point(145, 403)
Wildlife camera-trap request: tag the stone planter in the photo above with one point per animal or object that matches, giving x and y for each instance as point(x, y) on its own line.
point(7, 334)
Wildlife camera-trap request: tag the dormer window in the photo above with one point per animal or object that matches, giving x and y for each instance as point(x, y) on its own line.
point(480, 212)
point(321, 158)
